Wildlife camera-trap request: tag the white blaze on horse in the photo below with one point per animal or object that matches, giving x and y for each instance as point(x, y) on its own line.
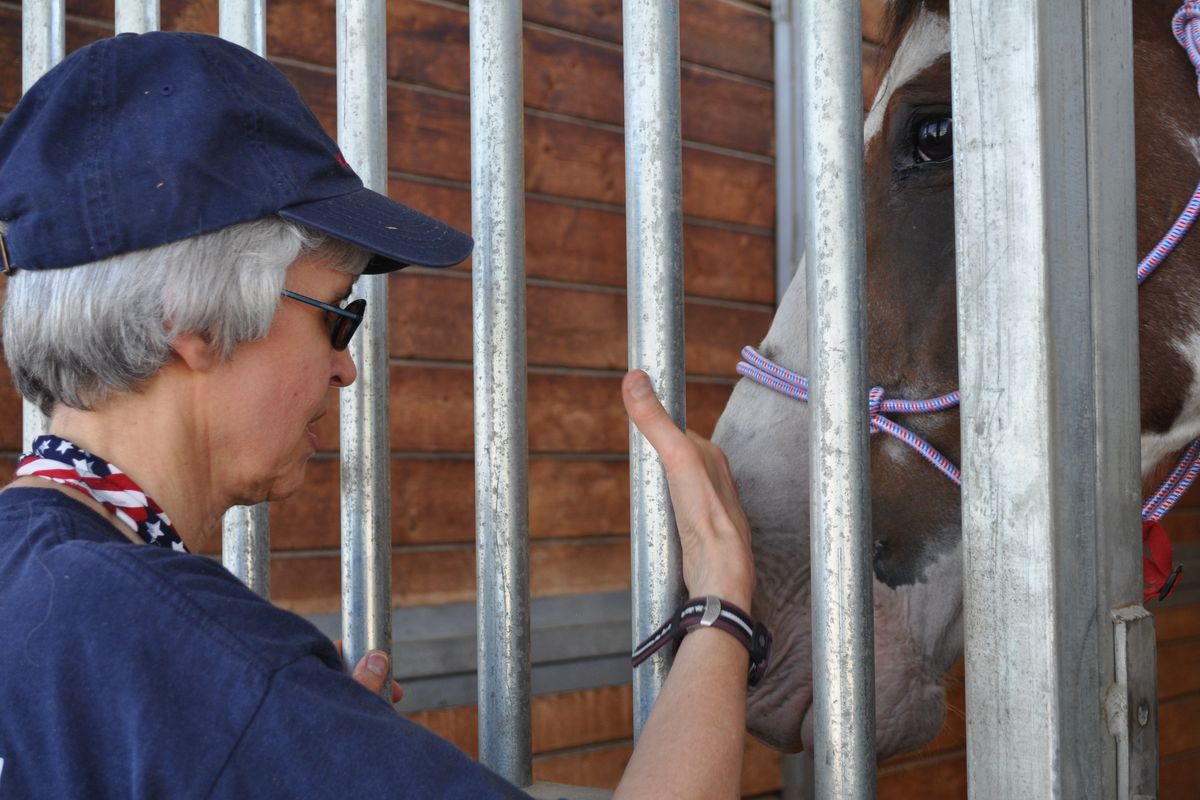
point(912, 353)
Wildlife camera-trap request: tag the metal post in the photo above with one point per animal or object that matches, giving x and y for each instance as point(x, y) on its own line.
point(843, 633)
point(501, 439)
point(244, 22)
point(1049, 413)
point(366, 519)
point(136, 16)
point(246, 533)
point(1127, 658)
point(654, 230)
point(43, 44)
point(789, 200)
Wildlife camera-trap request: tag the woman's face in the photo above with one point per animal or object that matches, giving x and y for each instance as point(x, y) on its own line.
point(267, 398)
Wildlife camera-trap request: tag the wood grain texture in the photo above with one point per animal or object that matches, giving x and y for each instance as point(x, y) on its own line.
point(433, 503)
point(10, 411)
point(581, 244)
point(431, 318)
point(568, 413)
point(428, 135)
point(715, 33)
point(311, 584)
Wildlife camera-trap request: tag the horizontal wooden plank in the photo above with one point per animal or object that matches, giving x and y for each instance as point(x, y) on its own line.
point(10, 410)
point(714, 33)
point(1177, 775)
point(558, 722)
point(563, 74)
point(1178, 730)
point(597, 720)
point(312, 584)
point(79, 33)
point(433, 502)
point(1176, 622)
point(431, 411)
point(938, 778)
point(581, 244)
point(600, 766)
point(429, 135)
point(431, 318)
point(1178, 672)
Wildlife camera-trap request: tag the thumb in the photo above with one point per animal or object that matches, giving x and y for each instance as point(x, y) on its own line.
point(648, 414)
point(372, 670)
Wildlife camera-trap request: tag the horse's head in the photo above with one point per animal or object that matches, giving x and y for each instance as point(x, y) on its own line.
point(915, 511)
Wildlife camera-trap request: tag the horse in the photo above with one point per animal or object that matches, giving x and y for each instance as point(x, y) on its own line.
point(912, 351)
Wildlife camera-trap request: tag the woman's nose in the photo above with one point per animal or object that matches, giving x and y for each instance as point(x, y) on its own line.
point(343, 371)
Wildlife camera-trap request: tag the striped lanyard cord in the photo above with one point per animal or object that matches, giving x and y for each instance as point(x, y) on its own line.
point(759, 368)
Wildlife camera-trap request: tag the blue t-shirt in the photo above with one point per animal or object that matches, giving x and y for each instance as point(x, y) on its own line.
point(131, 671)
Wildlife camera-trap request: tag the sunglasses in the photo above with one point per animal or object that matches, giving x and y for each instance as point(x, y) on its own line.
point(344, 321)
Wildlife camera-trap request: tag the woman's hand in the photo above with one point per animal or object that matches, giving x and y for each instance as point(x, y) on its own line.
point(713, 532)
point(371, 671)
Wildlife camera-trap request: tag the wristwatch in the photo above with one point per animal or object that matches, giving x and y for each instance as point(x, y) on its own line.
point(712, 612)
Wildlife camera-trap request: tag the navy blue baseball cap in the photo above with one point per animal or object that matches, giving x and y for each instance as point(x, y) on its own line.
point(140, 140)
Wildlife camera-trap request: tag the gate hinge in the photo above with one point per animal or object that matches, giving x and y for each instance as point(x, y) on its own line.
point(1130, 704)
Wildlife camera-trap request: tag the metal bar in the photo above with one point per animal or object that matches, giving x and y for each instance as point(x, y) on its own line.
point(1130, 769)
point(43, 44)
point(136, 16)
point(789, 200)
point(501, 438)
point(244, 22)
point(246, 532)
point(654, 232)
point(1038, 648)
point(843, 632)
point(366, 519)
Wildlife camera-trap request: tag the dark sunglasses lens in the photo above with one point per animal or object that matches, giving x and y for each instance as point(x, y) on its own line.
point(344, 327)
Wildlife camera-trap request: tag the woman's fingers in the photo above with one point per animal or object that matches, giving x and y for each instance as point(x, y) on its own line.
point(371, 671)
point(712, 528)
point(648, 414)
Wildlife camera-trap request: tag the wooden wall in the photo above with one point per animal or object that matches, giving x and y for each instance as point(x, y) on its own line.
point(576, 339)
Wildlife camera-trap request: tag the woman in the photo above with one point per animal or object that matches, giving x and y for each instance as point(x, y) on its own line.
point(181, 238)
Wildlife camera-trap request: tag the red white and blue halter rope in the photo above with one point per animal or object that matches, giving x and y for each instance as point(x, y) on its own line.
point(758, 368)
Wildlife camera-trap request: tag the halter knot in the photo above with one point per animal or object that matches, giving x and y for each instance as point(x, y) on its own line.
point(875, 401)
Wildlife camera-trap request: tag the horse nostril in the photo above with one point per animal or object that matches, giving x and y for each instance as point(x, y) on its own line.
point(880, 547)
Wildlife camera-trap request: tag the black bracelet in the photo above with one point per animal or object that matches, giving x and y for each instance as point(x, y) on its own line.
point(712, 612)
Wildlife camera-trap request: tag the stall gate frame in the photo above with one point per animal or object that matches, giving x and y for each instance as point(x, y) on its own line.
point(1079, 130)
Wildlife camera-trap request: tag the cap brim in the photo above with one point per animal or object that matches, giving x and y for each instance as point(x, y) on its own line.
point(394, 233)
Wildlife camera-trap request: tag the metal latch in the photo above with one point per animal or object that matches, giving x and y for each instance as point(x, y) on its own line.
point(1131, 703)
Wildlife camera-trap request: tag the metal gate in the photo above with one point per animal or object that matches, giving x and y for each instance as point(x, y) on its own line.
point(1058, 646)
point(1050, 636)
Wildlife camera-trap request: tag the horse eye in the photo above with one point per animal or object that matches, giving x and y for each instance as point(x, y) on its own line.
point(933, 140)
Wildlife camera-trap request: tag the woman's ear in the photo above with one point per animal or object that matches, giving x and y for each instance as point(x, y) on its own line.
point(195, 351)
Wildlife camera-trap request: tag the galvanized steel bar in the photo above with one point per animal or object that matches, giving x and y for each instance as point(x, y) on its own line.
point(654, 230)
point(244, 22)
point(843, 704)
point(1029, 365)
point(789, 200)
point(136, 16)
point(501, 439)
point(366, 518)
point(43, 44)
point(1131, 768)
point(246, 532)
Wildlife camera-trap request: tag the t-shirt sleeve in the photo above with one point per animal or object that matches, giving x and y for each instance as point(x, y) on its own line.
point(317, 733)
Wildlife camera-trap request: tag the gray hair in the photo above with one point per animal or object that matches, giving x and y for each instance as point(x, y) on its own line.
point(75, 335)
